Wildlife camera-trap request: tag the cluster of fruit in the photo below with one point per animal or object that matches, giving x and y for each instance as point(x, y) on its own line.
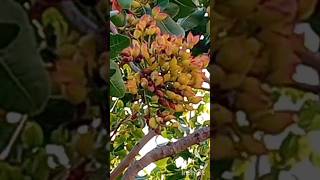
point(164, 67)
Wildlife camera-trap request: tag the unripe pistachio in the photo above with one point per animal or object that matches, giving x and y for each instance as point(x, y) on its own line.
point(159, 120)
point(169, 117)
point(158, 81)
point(194, 99)
point(136, 107)
point(189, 107)
point(179, 108)
point(176, 85)
point(153, 123)
point(120, 104)
point(183, 79)
point(178, 98)
point(159, 93)
point(175, 125)
point(155, 98)
point(144, 82)
point(166, 77)
point(137, 34)
point(170, 94)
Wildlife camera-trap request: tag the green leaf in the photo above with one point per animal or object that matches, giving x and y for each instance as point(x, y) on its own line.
point(117, 87)
point(171, 9)
point(193, 20)
point(315, 159)
point(118, 42)
point(24, 80)
point(138, 133)
point(172, 168)
point(186, 7)
point(119, 20)
point(60, 136)
point(162, 163)
point(309, 116)
point(8, 172)
point(125, 4)
point(162, 3)
point(169, 26)
point(289, 147)
point(37, 166)
point(11, 32)
point(32, 135)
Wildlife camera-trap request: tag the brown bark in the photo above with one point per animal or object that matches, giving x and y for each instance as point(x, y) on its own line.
point(130, 157)
point(167, 150)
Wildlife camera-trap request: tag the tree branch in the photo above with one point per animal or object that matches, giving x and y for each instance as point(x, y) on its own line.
point(307, 87)
point(113, 28)
point(168, 150)
point(130, 157)
point(309, 58)
point(119, 124)
point(5, 153)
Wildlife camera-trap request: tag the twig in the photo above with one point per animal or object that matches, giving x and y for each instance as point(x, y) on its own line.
point(257, 164)
point(114, 105)
point(130, 157)
point(5, 153)
point(119, 124)
point(167, 150)
point(307, 87)
point(113, 28)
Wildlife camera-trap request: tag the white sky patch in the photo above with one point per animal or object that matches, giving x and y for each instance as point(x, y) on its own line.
point(306, 74)
point(202, 37)
point(313, 138)
point(51, 163)
point(206, 72)
point(206, 14)
point(273, 142)
point(60, 153)
point(242, 118)
point(312, 40)
point(147, 170)
point(181, 163)
point(13, 117)
point(128, 111)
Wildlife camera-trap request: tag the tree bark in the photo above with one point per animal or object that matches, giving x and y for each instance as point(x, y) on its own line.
point(167, 150)
point(130, 157)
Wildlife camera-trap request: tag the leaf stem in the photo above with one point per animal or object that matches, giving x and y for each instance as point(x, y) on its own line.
point(5, 153)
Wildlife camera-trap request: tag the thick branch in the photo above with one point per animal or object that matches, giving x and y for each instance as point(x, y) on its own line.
point(130, 157)
point(168, 150)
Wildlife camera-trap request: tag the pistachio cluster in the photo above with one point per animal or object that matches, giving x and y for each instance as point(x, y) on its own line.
point(166, 68)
